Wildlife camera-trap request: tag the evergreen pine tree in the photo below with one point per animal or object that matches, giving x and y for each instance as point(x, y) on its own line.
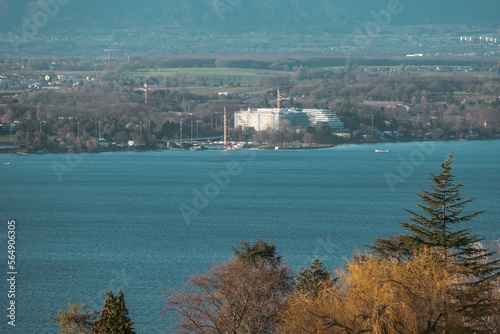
point(473, 272)
point(400, 247)
point(442, 209)
point(114, 317)
point(261, 253)
point(436, 227)
point(309, 280)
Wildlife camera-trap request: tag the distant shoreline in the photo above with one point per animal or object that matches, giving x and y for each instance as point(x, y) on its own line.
point(276, 148)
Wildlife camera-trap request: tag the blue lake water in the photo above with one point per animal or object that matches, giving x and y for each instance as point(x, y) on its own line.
point(145, 222)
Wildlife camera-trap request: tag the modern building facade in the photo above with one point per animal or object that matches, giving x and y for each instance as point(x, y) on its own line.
point(324, 116)
point(261, 119)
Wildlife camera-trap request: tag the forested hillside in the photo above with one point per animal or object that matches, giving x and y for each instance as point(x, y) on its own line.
point(340, 27)
point(236, 15)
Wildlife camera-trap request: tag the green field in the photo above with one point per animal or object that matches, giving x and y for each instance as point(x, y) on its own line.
point(211, 74)
point(195, 71)
point(252, 81)
point(236, 90)
point(478, 74)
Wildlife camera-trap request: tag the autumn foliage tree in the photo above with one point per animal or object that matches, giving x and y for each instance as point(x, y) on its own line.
point(471, 266)
point(379, 296)
point(78, 319)
point(434, 279)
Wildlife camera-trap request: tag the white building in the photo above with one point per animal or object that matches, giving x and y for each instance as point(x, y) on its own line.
point(324, 116)
point(261, 119)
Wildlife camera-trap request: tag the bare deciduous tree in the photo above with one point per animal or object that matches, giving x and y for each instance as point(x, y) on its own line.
point(236, 297)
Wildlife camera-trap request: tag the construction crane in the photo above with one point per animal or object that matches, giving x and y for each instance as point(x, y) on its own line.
point(278, 94)
point(279, 98)
point(146, 89)
point(109, 53)
point(225, 128)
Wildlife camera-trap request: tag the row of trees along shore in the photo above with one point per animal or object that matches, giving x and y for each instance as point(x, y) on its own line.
point(437, 105)
point(436, 278)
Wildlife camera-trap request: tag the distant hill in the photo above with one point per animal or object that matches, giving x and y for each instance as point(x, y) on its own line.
point(158, 27)
point(292, 16)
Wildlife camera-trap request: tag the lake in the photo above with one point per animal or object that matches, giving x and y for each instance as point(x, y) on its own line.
point(144, 222)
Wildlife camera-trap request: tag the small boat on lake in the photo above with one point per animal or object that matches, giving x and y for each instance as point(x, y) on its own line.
point(383, 151)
